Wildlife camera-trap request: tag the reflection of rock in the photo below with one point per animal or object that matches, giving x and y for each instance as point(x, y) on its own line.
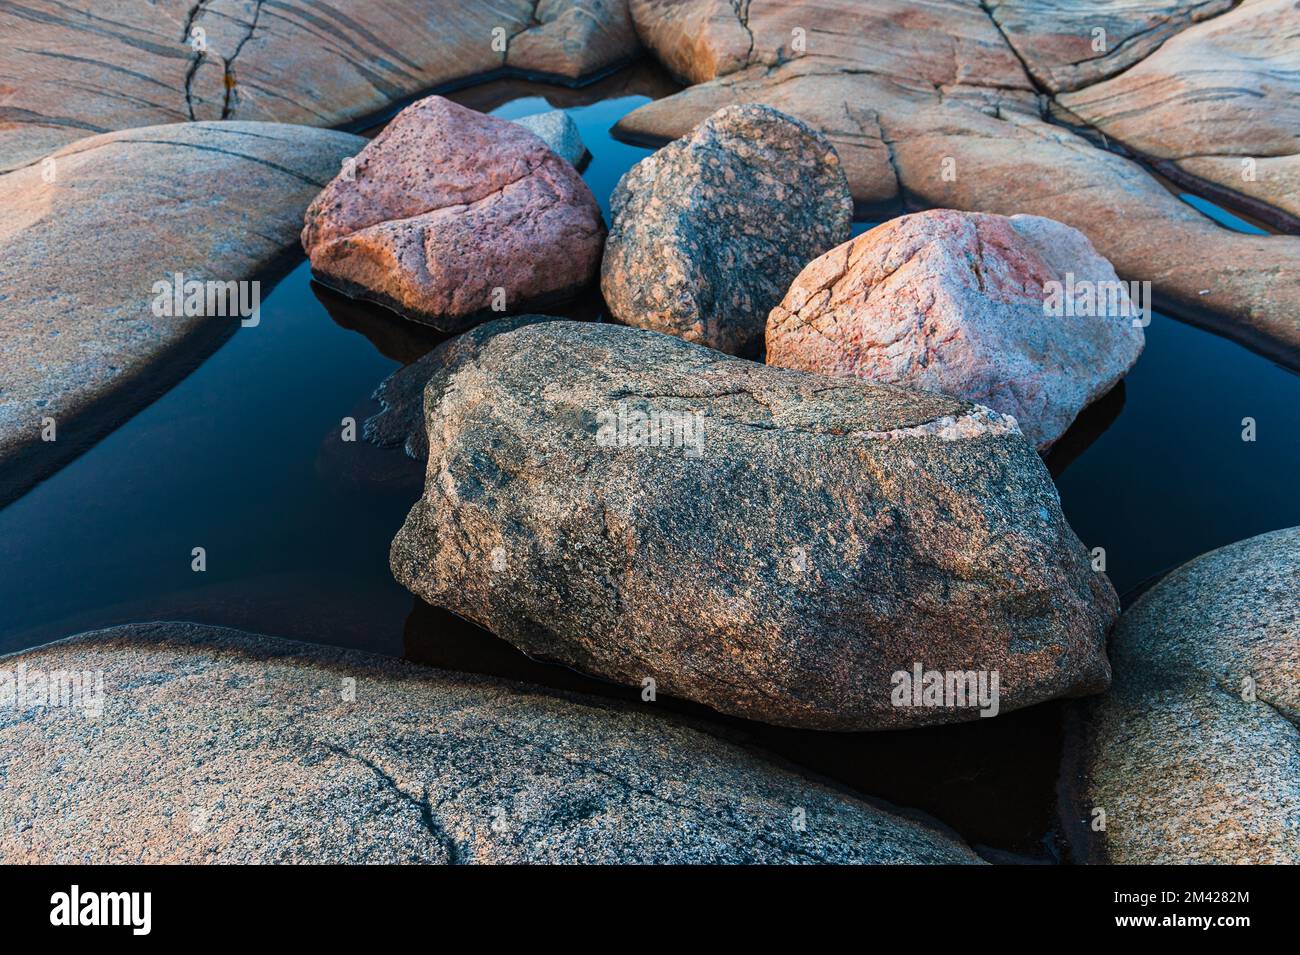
point(1067, 45)
point(709, 231)
point(1194, 755)
point(86, 236)
point(1091, 424)
point(784, 546)
point(930, 107)
point(558, 131)
point(645, 77)
point(1220, 102)
point(450, 216)
point(364, 463)
point(221, 746)
point(392, 336)
point(296, 62)
point(957, 302)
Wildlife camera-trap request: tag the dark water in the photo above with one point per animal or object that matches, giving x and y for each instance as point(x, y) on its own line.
point(245, 458)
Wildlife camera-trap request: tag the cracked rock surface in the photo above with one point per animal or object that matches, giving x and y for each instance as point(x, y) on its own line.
point(778, 558)
point(929, 106)
point(84, 238)
point(217, 745)
point(1185, 768)
point(140, 63)
point(449, 213)
point(707, 233)
point(1219, 103)
point(1059, 43)
point(956, 302)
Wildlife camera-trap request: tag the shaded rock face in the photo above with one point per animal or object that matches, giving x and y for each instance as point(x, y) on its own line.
point(1186, 769)
point(708, 232)
point(122, 212)
point(558, 131)
point(400, 422)
point(773, 544)
point(1219, 103)
point(220, 746)
point(962, 303)
point(1059, 44)
point(928, 108)
point(139, 62)
point(451, 216)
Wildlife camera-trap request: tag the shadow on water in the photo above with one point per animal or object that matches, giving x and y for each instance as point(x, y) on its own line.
point(246, 458)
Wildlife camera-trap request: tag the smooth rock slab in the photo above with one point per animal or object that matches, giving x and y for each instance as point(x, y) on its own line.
point(85, 236)
point(1058, 40)
point(221, 746)
point(1219, 103)
point(1187, 770)
point(136, 62)
point(779, 557)
point(451, 216)
point(558, 130)
point(709, 231)
point(956, 302)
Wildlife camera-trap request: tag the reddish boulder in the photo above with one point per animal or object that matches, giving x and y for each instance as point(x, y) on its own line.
point(451, 216)
point(1020, 314)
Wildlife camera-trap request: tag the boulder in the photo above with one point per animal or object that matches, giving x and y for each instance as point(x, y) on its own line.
point(927, 107)
point(450, 216)
point(1020, 314)
point(709, 231)
point(87, 235)
point(1194, 755)
point(400, 420)
point(217, 746)
point(558, 130)
point(1217, 105)
point(776, 545)
point(145, 62)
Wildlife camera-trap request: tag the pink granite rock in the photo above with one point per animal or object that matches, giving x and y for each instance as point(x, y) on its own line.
point(1020, 314)
point(448, 205)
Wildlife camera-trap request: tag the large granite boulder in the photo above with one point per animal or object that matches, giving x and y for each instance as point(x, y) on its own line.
point(1218, 105)
point(204, 745)
point(86, 337)
point(145, 62)
point(928, 107)
point(709, 231)
point(1020, 314)
point(1194, 755)
point(777, 545)
point(450, 215)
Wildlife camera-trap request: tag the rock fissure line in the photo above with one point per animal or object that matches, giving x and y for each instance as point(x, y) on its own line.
point(227, 108)
point(421, 803)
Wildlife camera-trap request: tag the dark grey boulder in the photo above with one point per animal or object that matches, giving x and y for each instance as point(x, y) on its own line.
point(709, 232)
point(779, 548)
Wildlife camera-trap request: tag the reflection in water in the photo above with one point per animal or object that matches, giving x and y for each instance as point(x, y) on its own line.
point(1087, 428)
